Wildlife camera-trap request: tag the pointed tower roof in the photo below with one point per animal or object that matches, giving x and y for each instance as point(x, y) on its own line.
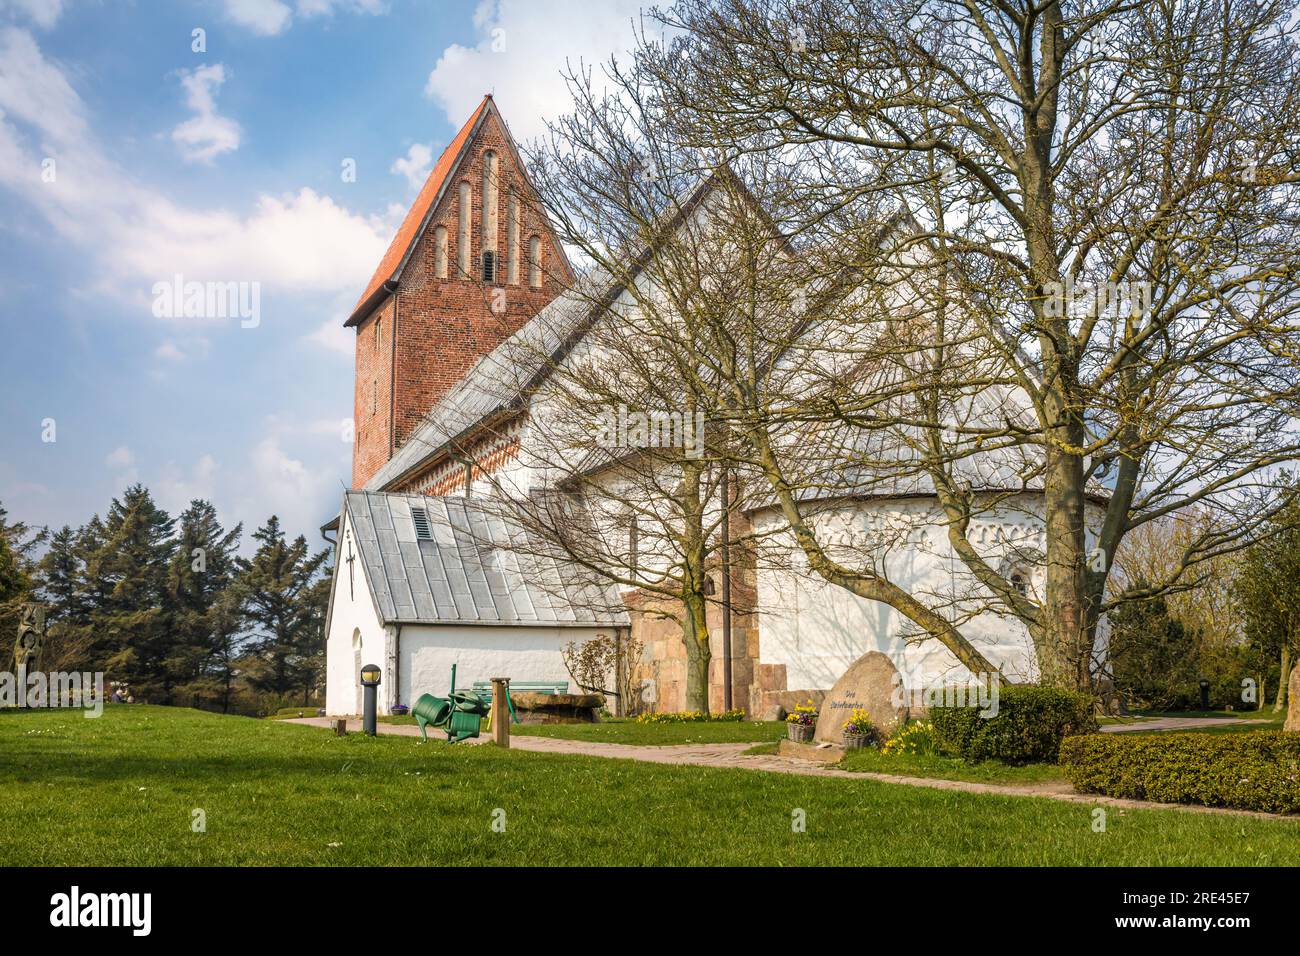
point(413, 225)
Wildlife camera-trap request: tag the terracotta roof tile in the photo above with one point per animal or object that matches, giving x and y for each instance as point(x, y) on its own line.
point(406, 234)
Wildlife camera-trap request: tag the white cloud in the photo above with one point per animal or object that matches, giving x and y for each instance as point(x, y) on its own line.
point(282, 485)
point(272, 17)
point(120, 457)
point(206, 134)
point(135, 235)
point(43, 13)
point(176, 489)
point(263, 17)
point(415, 165)
point(174, 351)
point(332, 335)
point(121, 460)
point(521, 51)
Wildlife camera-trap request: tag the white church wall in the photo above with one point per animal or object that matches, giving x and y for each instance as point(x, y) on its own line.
point(817, 629)
point(352, 620)
point(481, 652)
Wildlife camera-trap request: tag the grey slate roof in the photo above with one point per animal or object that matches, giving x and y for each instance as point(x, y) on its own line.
point(478, 568)
point(494, 383)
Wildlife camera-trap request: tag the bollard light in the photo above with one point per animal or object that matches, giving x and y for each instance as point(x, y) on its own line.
point(370, 681)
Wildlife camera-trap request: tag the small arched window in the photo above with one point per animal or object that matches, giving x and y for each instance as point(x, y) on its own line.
point(440, 252)
point(1019, 580)
point(535, 262)
point(462, 233)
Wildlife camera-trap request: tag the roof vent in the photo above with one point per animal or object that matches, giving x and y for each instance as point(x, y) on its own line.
point(420, 518)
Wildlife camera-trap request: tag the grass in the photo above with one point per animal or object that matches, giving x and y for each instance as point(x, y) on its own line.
point(939, 767)
point(625, 731)
point(121, 790)
point(1269, 722)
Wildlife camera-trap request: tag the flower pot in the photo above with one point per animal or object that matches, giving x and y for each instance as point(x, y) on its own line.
point(800, 732)
point(400, 710)
point(856, 741)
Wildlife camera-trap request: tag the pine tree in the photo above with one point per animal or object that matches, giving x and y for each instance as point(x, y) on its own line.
point(282, 595)
point(201, 569)
point(61, 585)
point(127, 578)
point(18, 545)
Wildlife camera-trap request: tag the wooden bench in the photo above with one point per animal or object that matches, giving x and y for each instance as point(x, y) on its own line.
point(483, 688)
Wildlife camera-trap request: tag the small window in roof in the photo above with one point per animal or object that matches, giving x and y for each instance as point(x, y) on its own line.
point(420, 518)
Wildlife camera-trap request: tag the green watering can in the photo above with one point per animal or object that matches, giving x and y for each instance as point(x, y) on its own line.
point(460, 715)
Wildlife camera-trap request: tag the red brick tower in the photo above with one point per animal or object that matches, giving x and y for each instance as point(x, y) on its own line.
point(473, 260)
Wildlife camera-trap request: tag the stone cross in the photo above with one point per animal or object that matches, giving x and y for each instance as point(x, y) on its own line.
point(351, 557)
point(31, 636)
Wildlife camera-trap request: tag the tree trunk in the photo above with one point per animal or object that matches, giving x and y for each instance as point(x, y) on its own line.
point(1279, 704)
point(695, 633)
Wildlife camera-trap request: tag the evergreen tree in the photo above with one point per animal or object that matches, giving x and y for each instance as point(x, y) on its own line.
point(1153, 657)
point(282, 595)
point(127, 577)
point(18, 543)
point(61, 584)
point(1268, 591)
point(201, 569)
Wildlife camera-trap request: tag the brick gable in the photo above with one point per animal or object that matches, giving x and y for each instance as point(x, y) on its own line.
point(433, 329)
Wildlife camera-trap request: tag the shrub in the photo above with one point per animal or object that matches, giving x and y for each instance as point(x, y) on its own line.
point(1028, 728)
point(1259, 770)
point(689, 717)
point(916, 739)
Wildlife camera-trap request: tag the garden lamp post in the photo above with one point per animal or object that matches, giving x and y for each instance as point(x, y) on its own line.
point(1205, 694)
point(370, 681)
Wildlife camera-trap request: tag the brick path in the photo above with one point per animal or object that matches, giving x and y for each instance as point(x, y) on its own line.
point(733, 756)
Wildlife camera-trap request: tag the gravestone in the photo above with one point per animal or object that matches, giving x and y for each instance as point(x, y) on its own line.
point(1293, 702)
point(872, 683)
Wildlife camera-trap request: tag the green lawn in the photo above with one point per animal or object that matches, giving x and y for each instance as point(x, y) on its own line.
point(625, 730)
point(950, 768)
point(121, 790)
point(620, 731)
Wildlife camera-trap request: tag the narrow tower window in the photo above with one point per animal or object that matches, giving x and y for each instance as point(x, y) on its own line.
point(512, 241)
point(462, 235)
point(489, 216)
point(535, 262)
point(440, 252)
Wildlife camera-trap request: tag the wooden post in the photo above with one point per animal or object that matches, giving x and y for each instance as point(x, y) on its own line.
point(501, 711)
point(340, 728)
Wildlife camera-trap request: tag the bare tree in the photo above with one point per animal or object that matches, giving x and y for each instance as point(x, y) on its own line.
point(1105, 195)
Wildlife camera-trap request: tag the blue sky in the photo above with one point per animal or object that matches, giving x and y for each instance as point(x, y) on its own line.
point(128, 158)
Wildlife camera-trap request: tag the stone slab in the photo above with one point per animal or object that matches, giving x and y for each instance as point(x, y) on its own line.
point(871, 682)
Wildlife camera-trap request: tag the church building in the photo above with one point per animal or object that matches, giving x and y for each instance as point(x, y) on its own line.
point(452, 333)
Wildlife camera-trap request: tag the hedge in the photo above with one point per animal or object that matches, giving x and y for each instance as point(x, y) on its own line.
point(1028, 728)
point(1255, 771)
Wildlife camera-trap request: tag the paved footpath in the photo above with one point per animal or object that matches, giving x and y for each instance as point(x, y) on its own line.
point(1175, 723)
point(734, 756)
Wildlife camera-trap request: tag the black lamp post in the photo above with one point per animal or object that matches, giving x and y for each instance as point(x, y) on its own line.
point(1205, 694)
point(370, 681)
